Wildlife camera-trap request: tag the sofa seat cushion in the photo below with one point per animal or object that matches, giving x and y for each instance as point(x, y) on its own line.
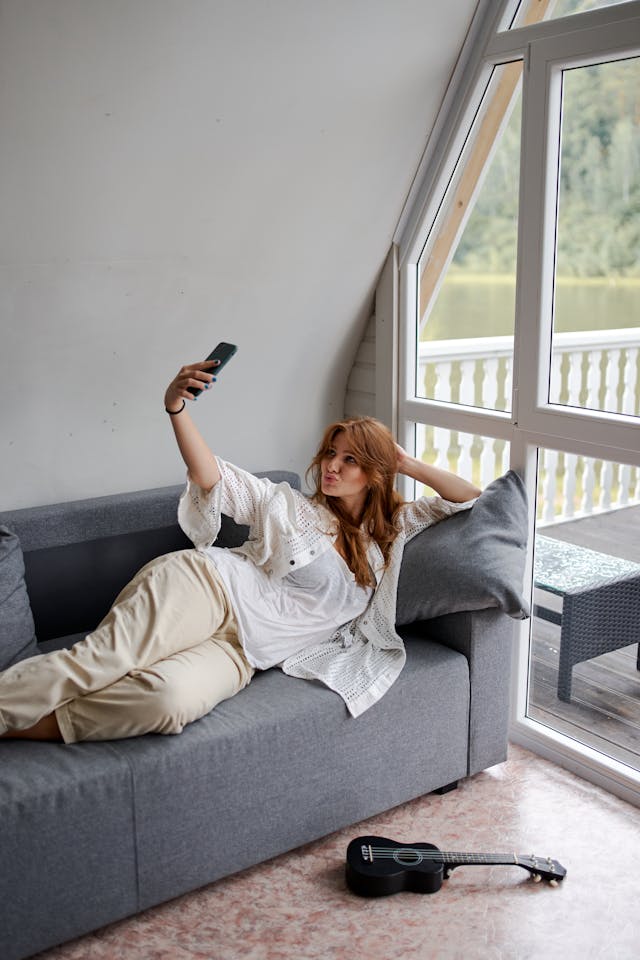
point(282, 763)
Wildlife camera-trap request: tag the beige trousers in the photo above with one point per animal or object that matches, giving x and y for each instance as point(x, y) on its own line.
point(165, 654)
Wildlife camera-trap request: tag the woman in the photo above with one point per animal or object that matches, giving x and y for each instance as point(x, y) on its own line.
point(312, 590)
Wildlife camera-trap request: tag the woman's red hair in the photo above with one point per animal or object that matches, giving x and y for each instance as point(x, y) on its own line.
point(374, 450)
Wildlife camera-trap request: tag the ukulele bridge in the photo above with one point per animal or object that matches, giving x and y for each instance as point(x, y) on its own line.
point(367, 852)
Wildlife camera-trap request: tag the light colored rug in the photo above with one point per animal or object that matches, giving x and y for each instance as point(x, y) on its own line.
point(297, 906)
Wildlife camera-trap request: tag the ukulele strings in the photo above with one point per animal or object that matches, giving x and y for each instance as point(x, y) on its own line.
point(444, 856)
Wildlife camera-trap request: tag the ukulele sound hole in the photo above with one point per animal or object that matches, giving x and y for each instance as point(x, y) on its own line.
point(407, 858)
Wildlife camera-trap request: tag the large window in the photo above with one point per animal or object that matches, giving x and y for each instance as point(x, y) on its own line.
point(520, 330)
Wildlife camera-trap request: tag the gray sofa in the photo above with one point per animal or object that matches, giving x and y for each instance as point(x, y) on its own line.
point(94, 832)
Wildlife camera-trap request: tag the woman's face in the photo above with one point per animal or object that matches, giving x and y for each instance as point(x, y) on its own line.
point(342, 477)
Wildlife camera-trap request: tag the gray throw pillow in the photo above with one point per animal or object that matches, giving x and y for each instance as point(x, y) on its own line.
point(470, 561)
point(17, 632)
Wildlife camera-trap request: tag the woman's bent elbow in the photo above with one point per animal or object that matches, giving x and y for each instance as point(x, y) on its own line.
point(205, 481)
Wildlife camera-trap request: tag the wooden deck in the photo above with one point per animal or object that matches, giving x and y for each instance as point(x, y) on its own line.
point(604, 711)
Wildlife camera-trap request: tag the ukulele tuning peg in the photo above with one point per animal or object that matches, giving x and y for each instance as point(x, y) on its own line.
point(553, 883)
point(536, 877)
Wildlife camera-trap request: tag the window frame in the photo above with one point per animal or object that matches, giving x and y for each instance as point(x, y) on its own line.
point(545, 49)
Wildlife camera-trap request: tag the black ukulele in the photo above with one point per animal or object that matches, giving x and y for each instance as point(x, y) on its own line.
point(377, 867)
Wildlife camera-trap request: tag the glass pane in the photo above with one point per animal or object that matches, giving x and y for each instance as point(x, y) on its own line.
point(583, 665)
point(467, 270)
point(564, 8)
point(533, 11)
point(476, 458)
point(596, 328)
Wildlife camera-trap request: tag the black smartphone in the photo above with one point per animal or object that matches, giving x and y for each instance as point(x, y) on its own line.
point(223, 352)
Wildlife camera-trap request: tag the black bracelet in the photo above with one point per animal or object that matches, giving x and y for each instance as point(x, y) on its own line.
point(174, 413)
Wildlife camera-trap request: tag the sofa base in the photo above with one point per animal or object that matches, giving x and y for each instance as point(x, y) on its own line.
point(99, 831)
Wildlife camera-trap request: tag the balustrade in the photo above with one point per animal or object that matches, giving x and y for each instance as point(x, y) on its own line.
point(595, 370)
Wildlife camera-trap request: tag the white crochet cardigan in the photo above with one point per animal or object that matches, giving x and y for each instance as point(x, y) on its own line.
point(362, 659)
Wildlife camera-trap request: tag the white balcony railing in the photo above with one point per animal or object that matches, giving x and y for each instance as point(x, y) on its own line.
point(591, 369)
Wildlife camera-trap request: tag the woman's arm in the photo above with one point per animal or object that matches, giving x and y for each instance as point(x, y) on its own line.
point(448, 485)
point(197, 456)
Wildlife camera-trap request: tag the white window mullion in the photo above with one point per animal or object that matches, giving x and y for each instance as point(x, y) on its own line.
point(536, 236)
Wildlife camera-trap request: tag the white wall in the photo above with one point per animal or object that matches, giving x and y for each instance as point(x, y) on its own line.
point(177, 172)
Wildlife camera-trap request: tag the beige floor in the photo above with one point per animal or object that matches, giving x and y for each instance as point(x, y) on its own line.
point(297, 906)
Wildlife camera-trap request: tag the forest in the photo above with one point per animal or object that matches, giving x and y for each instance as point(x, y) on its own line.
point(599, 201)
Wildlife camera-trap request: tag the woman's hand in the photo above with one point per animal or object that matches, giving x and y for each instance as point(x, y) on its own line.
point(199, 460)
point(403, 459)
point(448, 485)
point(197, 375)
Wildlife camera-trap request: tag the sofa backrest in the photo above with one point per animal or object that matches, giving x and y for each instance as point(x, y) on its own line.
point(79, 555)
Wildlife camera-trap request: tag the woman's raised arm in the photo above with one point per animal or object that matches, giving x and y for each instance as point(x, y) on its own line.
point(197, 456)
point(448, 485)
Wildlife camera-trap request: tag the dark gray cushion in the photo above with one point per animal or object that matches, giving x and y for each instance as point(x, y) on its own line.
point(17, 633)
point(474, 560)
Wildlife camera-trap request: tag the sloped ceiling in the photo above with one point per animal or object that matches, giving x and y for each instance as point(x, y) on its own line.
point(177, 172)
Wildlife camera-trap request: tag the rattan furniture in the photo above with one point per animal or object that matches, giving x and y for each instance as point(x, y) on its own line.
point(593, 597)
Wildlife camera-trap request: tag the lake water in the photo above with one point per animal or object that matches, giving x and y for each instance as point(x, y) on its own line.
point(485, 307)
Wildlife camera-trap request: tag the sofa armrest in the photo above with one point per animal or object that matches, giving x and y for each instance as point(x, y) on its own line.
point(485, 638)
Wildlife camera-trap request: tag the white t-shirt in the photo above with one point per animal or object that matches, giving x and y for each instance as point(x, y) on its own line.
point(279, 617)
